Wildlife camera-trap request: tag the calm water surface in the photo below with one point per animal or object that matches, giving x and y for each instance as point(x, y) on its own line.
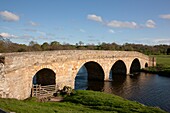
point(149, 89)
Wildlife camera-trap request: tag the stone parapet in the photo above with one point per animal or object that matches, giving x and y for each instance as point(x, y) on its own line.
point(13, 61)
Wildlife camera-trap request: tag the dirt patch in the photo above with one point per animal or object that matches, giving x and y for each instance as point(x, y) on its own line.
point(56, 99)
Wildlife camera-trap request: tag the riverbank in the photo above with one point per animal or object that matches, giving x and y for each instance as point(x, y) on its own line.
point(159, 69)
point(81, 101)
point(162, 68)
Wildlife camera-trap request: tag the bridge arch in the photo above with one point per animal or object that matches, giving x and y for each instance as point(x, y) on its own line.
point(135, 66)
point(44, 77)
point(94, 70)
point(90, 73)
point(119, 68)
point(146, 65)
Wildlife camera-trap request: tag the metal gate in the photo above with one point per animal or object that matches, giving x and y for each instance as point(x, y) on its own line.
point(43, 91)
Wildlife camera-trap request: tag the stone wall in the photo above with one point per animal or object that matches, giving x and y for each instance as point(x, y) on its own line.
point(14, 61)
point(2, 79)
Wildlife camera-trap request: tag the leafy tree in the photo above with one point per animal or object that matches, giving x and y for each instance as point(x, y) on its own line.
point(54, 45)
point(34, 46)
point(32, 43)
point(45, 46)
point(7, 46)
point(168, 51)
point(81, 43)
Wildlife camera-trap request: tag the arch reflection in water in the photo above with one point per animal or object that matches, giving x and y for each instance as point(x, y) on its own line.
point(90, 77)
point(118, 72)
point(117, 77)
point(149, 89)
point(81, 80)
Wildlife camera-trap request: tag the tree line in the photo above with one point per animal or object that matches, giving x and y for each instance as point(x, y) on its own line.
point(7, 46)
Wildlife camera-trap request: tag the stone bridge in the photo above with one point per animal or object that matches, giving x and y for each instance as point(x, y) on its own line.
point(19, 71)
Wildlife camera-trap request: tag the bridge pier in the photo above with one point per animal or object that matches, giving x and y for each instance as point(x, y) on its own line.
point(107, 73)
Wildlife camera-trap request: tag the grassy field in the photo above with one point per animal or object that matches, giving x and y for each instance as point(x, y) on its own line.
point(163, 60)
point(162, 67)
point(80, 102)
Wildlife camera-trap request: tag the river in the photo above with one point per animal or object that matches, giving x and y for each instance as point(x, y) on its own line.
point(148, 89)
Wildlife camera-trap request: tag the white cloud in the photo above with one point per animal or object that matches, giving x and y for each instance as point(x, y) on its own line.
point(4, 27)
point(162, 41)
point(8, 16)
point(111, 31)
point(82, 30)
point(120, 24)
point(150, 24)
point(62, 38)
point(33, 23)
point(166, 16)
point(93, 40)
point(153, 41)
point(30, 30)
point(7, 35)
point(51, 34)
point(91, 36)
point(41, 37)
point(94, 18)
point(35, 31)
point(41, 33)
point(27, 36)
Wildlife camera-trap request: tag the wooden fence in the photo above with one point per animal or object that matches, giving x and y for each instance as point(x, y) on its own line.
point(43, 91)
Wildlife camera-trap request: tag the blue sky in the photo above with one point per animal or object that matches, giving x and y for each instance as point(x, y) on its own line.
point(89, 21)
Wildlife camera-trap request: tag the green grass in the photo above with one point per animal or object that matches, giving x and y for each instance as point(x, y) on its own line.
point(163, 60)
point(80, 102)
point(162, 65)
